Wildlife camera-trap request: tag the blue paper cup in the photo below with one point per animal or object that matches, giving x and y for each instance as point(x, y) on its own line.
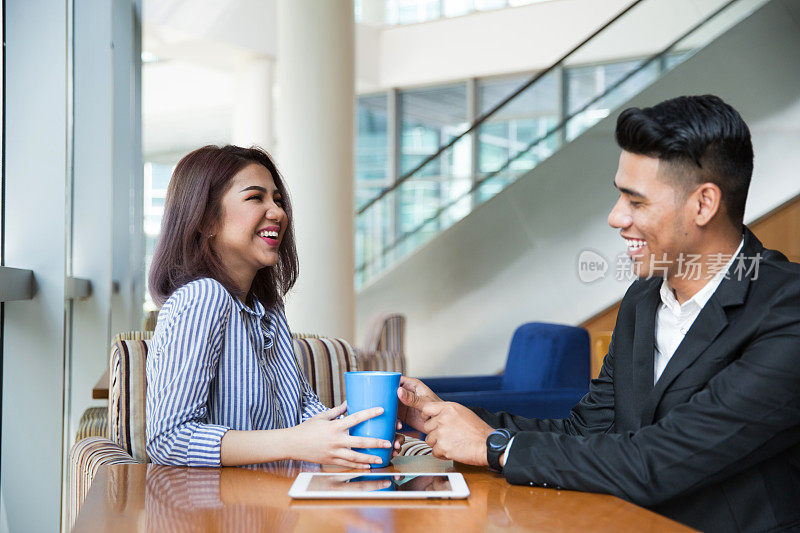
point(373, 389)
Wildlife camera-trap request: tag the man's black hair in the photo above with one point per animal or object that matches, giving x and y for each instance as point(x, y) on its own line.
point(703, 136)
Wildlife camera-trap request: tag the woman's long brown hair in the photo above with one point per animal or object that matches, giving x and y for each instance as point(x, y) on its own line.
point(193, 206)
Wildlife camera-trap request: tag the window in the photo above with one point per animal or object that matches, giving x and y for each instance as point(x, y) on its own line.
point(589, 82)
point(411, 11)
point(509, 133)
point(430, 118)
point(414, 11)
point(156, 181)
point(372, 147)
point(455, 8)
point(372, 176)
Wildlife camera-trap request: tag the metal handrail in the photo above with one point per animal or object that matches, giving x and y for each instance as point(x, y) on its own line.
point(562, 124)
point(77, 288)
point(16, 284)
point(480, 120)
point(19, 284)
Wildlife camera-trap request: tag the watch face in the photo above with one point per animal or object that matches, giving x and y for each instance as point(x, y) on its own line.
point(497, 440)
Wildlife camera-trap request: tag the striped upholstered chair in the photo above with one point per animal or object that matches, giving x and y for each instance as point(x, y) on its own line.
point(324, 361)
point(150, 321)
point(384, 346)
point(94, 421)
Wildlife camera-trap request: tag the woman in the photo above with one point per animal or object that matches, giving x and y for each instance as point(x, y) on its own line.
point(223, 384)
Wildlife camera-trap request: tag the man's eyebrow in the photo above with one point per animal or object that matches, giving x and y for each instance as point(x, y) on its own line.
point(629, 192)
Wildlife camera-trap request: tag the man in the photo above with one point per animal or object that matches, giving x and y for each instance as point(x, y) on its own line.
point(696, 411)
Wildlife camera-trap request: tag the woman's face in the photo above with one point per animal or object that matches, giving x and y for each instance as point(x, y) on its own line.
point(251, 225)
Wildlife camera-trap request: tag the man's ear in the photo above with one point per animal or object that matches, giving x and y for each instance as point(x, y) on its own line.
point(704, 203)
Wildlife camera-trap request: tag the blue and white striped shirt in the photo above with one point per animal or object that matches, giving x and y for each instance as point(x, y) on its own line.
point(215, 364)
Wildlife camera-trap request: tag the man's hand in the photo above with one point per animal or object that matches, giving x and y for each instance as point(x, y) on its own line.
point(414, 395)
point(455, 432)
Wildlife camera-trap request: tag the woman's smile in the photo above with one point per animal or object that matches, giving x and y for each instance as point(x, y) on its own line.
point(270, 235)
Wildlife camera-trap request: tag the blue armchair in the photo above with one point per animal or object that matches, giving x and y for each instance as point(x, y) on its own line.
point(547, 372)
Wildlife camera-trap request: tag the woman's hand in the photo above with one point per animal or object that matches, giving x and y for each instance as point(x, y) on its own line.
point(399, 439)
point(325, 439)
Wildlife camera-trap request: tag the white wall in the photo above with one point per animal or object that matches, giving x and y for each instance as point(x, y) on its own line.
point(195, 25)
point(514, 259)
point(185, 106)
point(192, 95)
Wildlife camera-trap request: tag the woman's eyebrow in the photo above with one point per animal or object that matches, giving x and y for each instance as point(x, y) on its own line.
point(254, 188)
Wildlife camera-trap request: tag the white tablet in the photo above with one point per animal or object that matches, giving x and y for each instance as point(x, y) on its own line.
point(315, 485)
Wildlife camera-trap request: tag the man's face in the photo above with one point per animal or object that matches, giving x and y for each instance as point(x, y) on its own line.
point(651, 216)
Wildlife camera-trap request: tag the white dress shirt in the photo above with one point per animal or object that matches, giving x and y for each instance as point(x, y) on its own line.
point(673, 319)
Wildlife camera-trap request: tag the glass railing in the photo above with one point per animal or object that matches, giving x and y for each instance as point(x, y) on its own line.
point(514, 135)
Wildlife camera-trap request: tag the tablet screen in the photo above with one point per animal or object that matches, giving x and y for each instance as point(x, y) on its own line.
point(380, 482)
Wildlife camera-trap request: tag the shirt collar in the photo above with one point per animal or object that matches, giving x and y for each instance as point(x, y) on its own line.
point(268, 320)
point(702, 296)
point(257, 309)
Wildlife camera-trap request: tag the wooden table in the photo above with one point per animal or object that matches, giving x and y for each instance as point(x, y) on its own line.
point(150, 497)
point(100, 389)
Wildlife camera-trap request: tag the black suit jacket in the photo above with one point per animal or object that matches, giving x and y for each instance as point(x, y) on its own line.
point(715, 444)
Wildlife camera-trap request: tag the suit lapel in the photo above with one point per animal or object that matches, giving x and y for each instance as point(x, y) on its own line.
point(709, 323)
point(644, 344)
point(705, 329)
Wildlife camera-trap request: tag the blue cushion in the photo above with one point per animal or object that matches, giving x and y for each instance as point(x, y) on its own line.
point(464, 383)
point(547, 356)
point(530, 404)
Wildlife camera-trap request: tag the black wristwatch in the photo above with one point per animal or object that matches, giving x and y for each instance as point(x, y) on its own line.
point(496, 444)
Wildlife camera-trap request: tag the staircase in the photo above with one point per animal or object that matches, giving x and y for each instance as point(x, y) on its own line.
point(512, 256)
point(456, 179)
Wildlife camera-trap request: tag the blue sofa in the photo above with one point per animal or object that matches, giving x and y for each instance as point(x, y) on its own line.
point(547, 372)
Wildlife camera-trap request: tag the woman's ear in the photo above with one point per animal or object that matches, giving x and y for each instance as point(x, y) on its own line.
point(208, 227)
point(207, 231)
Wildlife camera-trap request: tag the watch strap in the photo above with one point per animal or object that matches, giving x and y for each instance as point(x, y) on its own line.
point(496, 444)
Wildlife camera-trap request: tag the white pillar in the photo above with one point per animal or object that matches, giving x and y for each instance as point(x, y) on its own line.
point(252, 114)
point(316, 71)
